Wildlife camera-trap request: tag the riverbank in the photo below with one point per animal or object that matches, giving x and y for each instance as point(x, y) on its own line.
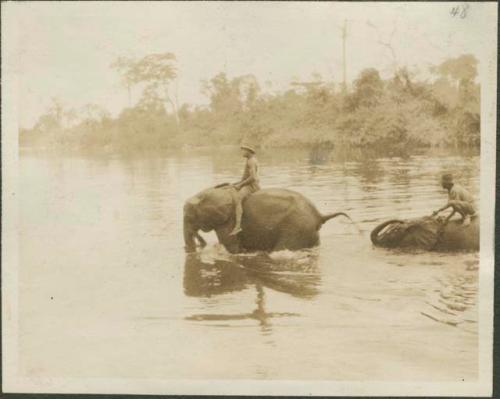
point(314, 154)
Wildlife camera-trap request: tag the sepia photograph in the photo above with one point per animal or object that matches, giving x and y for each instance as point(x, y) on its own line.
point(248, 198)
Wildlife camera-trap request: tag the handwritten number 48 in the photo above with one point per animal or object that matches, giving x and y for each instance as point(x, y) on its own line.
point(460, 11)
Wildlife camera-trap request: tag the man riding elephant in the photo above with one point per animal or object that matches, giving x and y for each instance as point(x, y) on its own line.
point(459, 199)
point(248, 184)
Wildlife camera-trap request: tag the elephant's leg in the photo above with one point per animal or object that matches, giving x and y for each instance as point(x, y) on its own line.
point(230, 242)
point(200, 239)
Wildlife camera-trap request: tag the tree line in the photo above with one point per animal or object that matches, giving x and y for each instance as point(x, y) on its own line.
point(404, 110)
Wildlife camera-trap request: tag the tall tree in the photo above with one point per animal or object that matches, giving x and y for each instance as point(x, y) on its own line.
point(461, 72)
point(155, 72)
point(368, 88)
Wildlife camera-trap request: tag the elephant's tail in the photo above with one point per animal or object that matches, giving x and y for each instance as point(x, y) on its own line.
point(326, 218)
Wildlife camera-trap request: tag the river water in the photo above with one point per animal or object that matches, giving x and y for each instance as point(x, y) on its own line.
point(105, 289)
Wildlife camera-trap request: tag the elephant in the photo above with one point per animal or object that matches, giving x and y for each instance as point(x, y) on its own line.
point(273, 219)
point(429, 233)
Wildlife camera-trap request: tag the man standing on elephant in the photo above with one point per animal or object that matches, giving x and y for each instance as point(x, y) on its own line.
point(248, 184)
point(459, 199)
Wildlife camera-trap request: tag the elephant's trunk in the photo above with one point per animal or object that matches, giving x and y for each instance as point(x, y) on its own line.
point(189, 234)
point(374, 236)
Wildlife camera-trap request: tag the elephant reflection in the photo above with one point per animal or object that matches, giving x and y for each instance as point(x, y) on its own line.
point(297, 278)
point(207, 279)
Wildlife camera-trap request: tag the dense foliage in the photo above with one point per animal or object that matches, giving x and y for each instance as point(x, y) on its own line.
point(443, 110)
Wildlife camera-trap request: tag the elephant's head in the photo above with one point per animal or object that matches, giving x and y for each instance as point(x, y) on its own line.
point(417, 233)
point(388, 234)
point(206, 211)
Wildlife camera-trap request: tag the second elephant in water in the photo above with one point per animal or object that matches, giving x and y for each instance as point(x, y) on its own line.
point(427, 233)
point(273, 219)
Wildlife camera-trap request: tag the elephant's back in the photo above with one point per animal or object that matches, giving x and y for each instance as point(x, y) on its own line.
point(456, 236)
point(272, 206)
point(281, 195)
point(279, 200)
point(276, 192)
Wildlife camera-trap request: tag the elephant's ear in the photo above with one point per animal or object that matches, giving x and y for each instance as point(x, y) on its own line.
point(190, 208)
point(215, 208)
point(422, 235)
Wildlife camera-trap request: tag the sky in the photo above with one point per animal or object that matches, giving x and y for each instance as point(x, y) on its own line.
point(64, 50)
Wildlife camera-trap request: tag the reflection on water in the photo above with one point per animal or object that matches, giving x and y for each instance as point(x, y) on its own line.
point(106, 287)
point(286, 272)
point(292, 273)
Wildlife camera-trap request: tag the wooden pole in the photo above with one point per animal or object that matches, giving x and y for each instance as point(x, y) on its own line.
point(344, 68)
